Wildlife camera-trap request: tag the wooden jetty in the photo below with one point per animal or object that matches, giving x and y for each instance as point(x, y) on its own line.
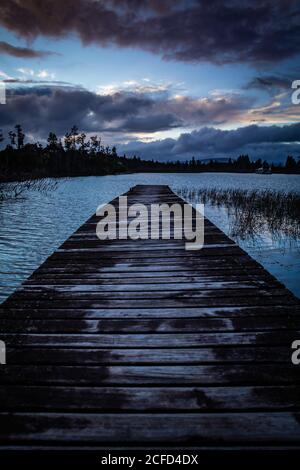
point(141, 344)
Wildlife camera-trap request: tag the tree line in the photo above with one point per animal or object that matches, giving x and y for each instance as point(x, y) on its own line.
point(77, 155)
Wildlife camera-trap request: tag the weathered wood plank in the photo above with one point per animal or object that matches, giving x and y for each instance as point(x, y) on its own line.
point(142, 264)
point(54, 293)
point(157, 303)
point(178, 325)
point(38, 398)
point(222, 428)
point(167, 356)
point(151, 278)
point(62, 312)
point(90, 286)
point(153, 340)
point(93, 283)
point(86, 254)
point(262, 374)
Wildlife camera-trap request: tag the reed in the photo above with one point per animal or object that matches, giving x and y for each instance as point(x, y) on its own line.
point(252, 212)
point(17, 189)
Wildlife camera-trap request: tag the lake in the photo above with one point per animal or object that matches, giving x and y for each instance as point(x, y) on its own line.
point(34, 226)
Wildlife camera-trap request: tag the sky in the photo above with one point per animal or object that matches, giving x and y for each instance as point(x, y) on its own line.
point(163, 79)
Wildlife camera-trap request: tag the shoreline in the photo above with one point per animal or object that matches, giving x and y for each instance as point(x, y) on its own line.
point(32, 178)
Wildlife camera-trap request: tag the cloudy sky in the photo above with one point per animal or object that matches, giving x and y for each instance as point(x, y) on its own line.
point(166, 79)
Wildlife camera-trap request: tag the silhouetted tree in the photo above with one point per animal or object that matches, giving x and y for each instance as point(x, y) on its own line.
point(290, 163)
point(74, 134)
point(81, 142)
point(71, 138)
point(265, 165)
point(243, 162)
point(20, 136)
point(95, 143)
point(12, 136)
point(52, 140)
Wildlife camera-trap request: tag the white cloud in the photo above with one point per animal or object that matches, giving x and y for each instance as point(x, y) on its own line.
point(26, 71)
point(4, 75)
point(42, 74)
point(221, 92)
point(133, 86)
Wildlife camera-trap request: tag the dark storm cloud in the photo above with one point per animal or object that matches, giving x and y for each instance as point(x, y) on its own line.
point(150, 123)
point(215, 31)
point(273, 143)
point(269, 83)
point(22, 52)
point(218, 140)
point(25, 81)
point(43, 108)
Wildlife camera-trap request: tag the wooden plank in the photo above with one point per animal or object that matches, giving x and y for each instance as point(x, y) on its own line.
point(54, 293)
point(163, 303)
point(86, 254)
point(217, 428)
point(151, 278)
point(142, 264)
point(167, 245)
point(177, 325)
point(21, 312)
point(37, 398)
point(167, 356)
point(136, 287)
point(153, 340)
point(262, 374)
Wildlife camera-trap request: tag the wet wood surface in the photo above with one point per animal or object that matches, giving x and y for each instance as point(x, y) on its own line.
point(144, 343)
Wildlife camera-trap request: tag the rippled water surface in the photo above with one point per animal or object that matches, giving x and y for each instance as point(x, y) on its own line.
point(34, 226)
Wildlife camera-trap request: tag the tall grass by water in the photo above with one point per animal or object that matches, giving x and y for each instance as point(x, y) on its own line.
point(252, 212)
point(18, 189)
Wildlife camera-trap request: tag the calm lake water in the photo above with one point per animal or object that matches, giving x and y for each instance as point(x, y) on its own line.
point(34, 226)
